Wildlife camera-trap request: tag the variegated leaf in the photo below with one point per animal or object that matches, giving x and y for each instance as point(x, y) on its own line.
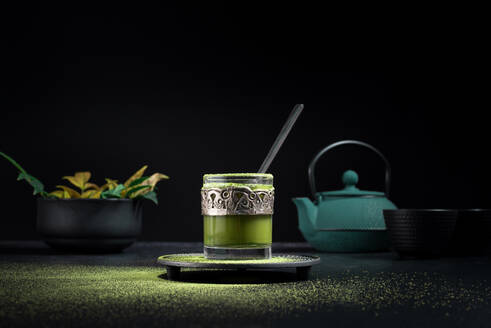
point(79, 179)
point(135, 176)
point(57, 193)
point(90, 185)
point(111, 184)
point(151, 181)
point(130, 193)
point(87, 194)
point(72, 193)
point(96, 195)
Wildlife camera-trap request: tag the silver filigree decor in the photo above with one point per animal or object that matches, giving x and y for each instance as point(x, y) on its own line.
point(236, 201)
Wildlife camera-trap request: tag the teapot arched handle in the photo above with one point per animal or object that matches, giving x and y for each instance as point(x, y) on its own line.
point(347, 142)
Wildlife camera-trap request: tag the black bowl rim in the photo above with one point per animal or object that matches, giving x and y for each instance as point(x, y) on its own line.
point(474, 210)
point(87, 199)
point(421, 211)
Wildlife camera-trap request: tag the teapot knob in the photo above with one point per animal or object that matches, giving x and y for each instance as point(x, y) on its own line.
point(350, 178)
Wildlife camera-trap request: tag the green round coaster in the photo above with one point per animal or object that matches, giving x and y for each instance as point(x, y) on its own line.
point(174, 263)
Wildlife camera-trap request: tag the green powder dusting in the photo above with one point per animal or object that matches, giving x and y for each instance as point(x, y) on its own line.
point(81, 295)
point(252, 175)
point(256, 187)
point(240, 176)
point(202, 259)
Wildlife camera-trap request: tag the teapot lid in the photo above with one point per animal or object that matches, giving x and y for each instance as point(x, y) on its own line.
point(350, 179)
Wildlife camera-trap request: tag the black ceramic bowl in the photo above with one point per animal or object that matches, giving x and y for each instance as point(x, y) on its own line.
point(472, 234)
point(420, 233)
point(89, 225)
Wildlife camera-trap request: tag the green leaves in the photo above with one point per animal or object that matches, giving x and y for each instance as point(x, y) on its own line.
point(113, 193)
point(23, 175)
point(116, 193)
point(142, 187)
point(136, 187)
point(71, 192)
point(152, 195)
point(79, 180)
point(14, 163)
point(35, 183)
point(152, 182)
point(137, 181)
point(135, 176)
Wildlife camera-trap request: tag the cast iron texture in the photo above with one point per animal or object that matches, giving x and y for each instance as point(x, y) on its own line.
point(420, 233)
point(472, 234)
point(89, 225)
point(303, 264)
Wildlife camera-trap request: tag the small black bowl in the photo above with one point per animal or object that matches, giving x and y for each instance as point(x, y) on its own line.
point(472, 234)
point(420, 232)
point(89, 225)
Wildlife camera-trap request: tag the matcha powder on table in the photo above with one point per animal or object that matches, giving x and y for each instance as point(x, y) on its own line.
point(78, 295)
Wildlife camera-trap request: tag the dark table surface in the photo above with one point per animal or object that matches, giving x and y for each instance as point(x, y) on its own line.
point(42, 287)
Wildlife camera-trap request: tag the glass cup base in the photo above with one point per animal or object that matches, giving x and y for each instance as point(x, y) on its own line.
point(227, 253)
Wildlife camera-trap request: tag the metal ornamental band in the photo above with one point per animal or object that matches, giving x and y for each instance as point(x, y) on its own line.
point(236, 201)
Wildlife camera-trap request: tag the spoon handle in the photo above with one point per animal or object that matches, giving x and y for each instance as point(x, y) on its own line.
point(281, 137)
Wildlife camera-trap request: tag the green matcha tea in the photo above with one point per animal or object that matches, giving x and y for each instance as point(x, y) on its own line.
point(238, 231)
point(237, 215)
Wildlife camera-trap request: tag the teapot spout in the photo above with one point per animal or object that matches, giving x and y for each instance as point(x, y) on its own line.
point(307, 215)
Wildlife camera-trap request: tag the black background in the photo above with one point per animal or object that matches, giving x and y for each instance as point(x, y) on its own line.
point(205, 89)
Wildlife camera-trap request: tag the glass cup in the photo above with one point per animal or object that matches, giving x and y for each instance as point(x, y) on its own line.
point(237, 213)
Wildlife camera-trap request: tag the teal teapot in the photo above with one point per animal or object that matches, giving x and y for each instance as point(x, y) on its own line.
point(347, 220)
